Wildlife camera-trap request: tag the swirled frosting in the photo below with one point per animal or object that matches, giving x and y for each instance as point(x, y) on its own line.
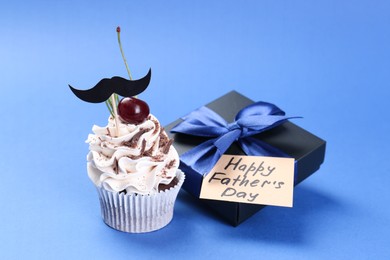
point(136, 160)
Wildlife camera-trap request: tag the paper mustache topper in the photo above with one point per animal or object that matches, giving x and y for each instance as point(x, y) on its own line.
point(106, 87)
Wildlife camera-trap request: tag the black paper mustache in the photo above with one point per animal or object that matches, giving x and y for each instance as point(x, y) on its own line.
point(106, 87)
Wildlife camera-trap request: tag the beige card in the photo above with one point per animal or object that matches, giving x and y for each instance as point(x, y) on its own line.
point(251, 179)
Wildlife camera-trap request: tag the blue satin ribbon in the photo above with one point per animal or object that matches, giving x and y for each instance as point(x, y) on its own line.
point(253, 119)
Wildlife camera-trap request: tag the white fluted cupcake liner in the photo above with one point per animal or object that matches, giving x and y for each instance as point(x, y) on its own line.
point(136, 213)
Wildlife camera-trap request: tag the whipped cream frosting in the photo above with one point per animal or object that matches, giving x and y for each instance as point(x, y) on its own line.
point(136, 160)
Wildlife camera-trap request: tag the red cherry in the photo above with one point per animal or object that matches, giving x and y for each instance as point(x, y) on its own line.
point(133, 110)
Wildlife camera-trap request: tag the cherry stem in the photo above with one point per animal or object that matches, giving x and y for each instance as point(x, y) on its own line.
point(109, 106)
point(118, 31)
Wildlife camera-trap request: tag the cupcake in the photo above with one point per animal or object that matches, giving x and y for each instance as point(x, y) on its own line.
point(136, 174)
point(131, 161)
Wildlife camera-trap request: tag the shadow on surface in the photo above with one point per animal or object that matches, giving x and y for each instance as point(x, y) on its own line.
point(192, 221)
point(288, 225)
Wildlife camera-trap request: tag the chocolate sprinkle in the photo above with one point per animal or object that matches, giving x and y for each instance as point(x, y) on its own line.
point(171, 164)
point(157, 128)
point(143, 147)
point(116, 167)
point(141, 153)
point(149, 152)
point(158, 158)
point(133, 142)
point(167, 146)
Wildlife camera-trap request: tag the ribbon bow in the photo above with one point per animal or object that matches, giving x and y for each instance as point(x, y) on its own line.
point(253, 119)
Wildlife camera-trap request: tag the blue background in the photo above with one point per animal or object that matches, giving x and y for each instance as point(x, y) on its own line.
point(327, 61)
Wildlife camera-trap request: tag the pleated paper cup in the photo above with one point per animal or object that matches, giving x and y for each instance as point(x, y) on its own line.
point(136, 213)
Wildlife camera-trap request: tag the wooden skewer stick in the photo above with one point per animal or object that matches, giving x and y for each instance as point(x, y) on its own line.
point(113, 101)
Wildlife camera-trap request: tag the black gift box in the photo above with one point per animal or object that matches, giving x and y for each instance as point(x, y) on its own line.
point(307, 149)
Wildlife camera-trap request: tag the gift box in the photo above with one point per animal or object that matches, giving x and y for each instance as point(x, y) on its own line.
point(307, 149)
